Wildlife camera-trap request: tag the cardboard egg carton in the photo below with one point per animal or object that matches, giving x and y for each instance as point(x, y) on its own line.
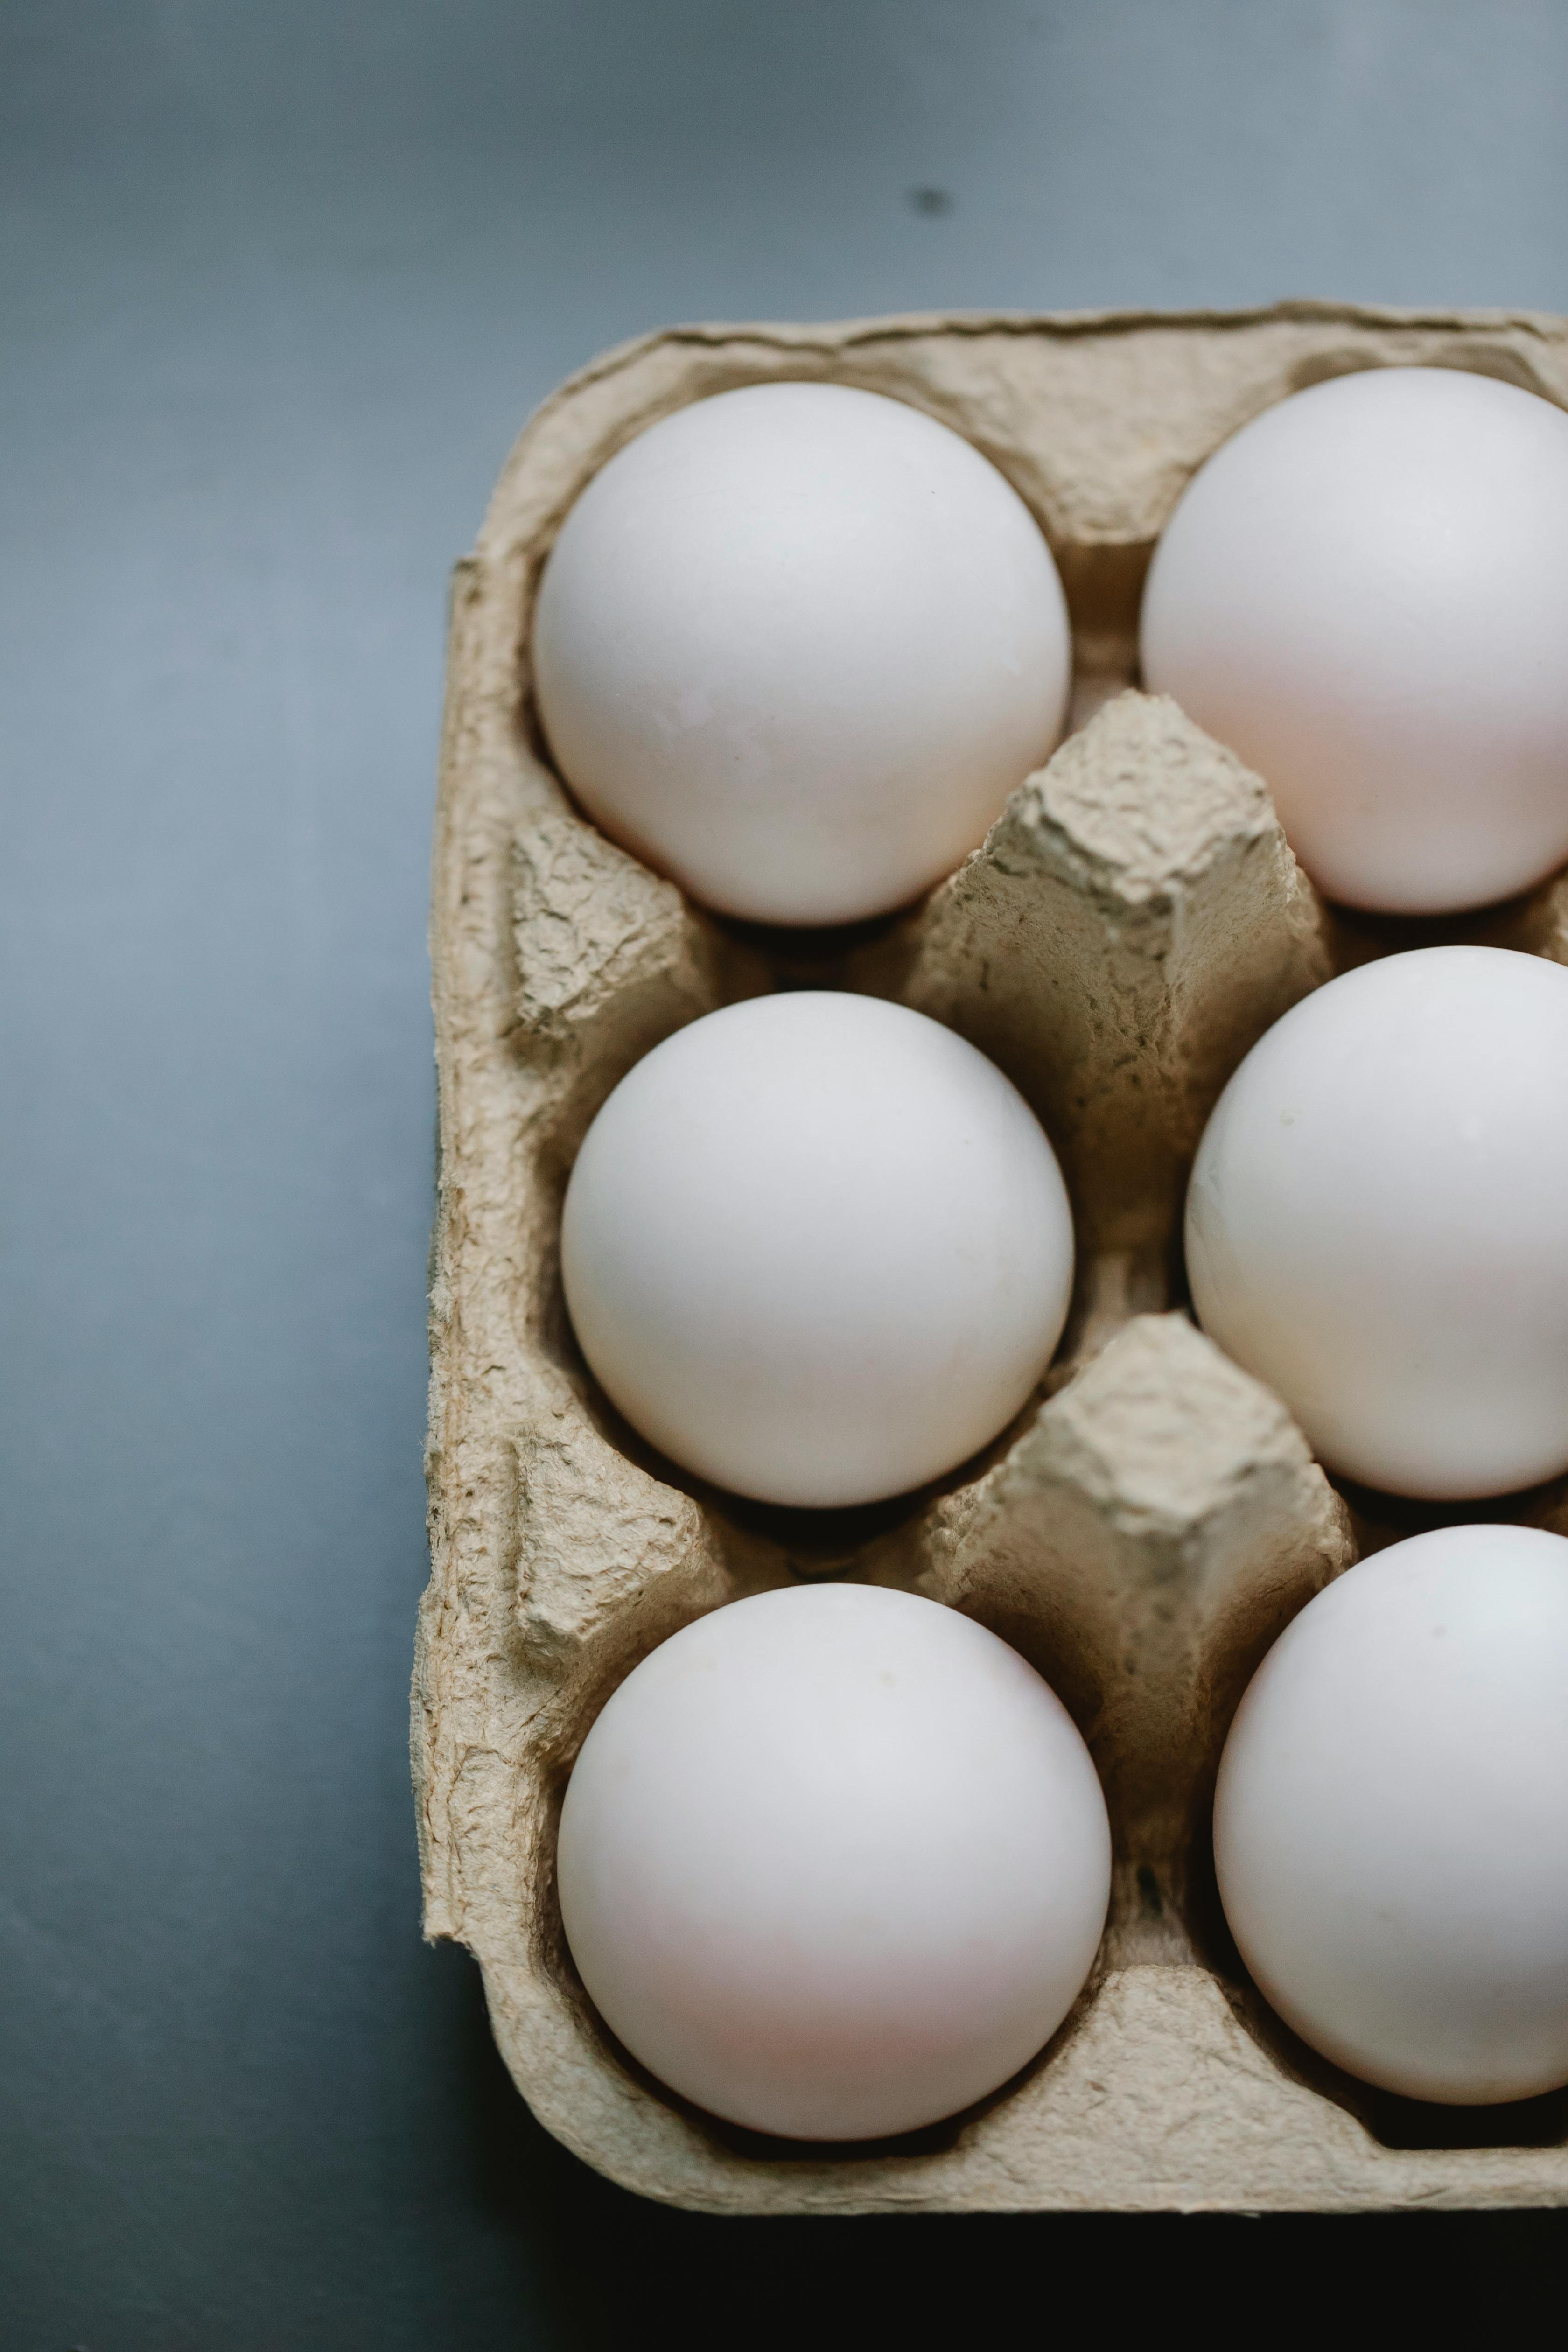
point(1146, 1527)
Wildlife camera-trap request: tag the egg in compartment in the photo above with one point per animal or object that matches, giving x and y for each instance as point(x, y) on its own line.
point(834, 1863)
point(818, 1249)
point(794, 646)
point(1391, 1826)
point(1377, 1221)
point(1365, 594)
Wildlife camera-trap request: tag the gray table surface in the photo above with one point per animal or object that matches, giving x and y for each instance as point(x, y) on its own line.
point(279, 283)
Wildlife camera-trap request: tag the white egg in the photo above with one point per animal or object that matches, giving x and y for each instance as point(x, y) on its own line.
point(1390, 1822)
point(1365, 593)
point(1377, 1224)
point(834, 1863)
point(817, 1248)
point(795, 646)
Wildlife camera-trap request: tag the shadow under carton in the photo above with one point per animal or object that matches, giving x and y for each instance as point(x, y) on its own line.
point(1133, 923)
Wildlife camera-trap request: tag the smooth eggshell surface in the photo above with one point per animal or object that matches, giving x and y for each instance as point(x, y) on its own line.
point(817, 1248)
point(1365, 593)
point(795, 646)
point(834, 1863)
point(1390, 1822)
point(1377, 1224)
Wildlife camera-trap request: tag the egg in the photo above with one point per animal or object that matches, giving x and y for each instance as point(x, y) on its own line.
point(834, 1862)
point(1377, 1222)
point(794, 646)
point(1391, 1820)
point(1365, 594)
point(816, 1248)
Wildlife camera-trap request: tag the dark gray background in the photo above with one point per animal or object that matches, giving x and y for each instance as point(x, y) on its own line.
point(280, 280)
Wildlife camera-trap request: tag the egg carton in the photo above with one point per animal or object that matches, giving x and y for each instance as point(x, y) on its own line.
point(1146, 1527)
